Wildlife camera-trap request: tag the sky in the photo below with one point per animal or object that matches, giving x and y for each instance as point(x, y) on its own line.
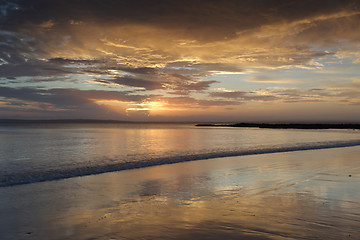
point(189, 60)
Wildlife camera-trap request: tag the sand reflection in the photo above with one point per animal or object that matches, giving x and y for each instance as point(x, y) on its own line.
point(299, 195)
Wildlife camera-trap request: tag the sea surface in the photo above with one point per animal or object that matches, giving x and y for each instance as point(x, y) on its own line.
point(41, 152)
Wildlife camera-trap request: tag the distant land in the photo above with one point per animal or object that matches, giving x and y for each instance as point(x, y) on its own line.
point(244, 125)
point(286, 125)
point(78, 121)
point(60, 121)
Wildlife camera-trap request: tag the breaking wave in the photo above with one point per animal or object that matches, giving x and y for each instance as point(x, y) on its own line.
point(55, 174)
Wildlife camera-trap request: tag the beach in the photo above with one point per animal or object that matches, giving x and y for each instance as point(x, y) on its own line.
point(179, 120)
point(310, 194)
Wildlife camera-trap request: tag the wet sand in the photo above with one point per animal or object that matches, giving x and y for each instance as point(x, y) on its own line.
point(296, 195)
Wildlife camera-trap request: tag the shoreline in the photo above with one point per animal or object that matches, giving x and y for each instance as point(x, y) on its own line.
point(292, 195)
point(35, 177)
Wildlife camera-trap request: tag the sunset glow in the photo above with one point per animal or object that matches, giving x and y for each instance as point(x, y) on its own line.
point(184, 61)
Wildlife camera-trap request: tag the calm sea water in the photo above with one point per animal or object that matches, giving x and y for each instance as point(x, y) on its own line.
point(40, 152)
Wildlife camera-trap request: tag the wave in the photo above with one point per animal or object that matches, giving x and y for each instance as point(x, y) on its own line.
point(57, 174)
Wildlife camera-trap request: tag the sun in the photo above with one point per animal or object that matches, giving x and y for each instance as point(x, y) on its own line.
point(146, 106)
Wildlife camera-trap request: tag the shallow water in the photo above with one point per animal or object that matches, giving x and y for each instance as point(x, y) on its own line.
point(295, 195)
point(39, 152)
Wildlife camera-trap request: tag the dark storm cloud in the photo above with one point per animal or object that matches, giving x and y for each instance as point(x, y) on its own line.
point(165, 82)
point(31, 29)
point(199, 17)
point(62, 66)
point(32, 69)
point(135, 82)
point(66, 98)
point(136, 70)
point(19, 53)
point(346, 27)
point(167, 78)
point(14, 48)
point(192, 85)
point(65, 61)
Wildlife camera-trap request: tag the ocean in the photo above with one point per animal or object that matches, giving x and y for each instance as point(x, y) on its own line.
point(41, 152)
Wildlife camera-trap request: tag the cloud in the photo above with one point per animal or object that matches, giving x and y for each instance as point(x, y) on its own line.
point(345, 95)
point(265, 79)
point(142, 37)
point(244, 96)
point(134, 82)
point(348, 94)
point(339, 28)
point(67, 99)
point(32, 69)
point(132, 51)
point(193, 21)
point(189, 102)
point(197, 17)
point(156, 79)
point(228, 94)
point(64, 61)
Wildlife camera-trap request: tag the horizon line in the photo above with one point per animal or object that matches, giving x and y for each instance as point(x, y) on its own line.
point(91, 120)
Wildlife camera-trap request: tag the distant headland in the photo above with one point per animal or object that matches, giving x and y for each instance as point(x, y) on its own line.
point(286, 125)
